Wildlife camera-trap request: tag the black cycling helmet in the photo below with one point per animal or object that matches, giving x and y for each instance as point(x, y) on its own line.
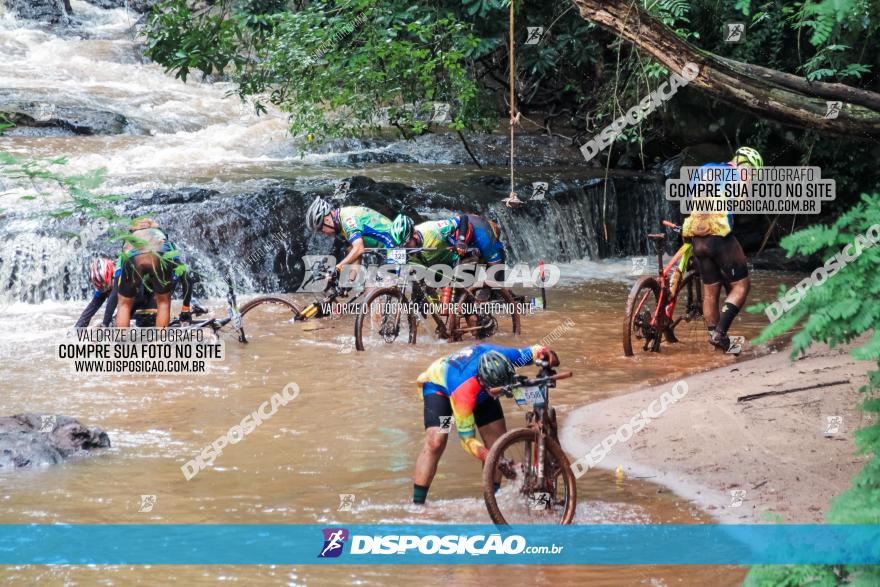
point(495, 369)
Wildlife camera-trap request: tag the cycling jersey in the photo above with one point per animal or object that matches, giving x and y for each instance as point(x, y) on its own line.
point(455, 376)
point(436, 234)
point(476, 231)
point(710, 223)
point(360, 222)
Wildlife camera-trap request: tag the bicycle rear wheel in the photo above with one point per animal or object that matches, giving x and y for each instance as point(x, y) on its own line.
point(481, 320)
point(385, 317)
point(526, 499)
point(264, 311)
point(638, 334)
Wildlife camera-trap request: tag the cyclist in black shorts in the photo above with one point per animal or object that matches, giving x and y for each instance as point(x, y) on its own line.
point(145, 261)
point(720, 258)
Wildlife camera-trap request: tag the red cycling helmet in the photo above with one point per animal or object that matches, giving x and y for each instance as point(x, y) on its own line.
point(101, 273)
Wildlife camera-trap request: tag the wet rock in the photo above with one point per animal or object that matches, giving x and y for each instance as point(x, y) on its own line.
point(135, 5)
point(34, 440)
point(46, 11)
point(52, 120)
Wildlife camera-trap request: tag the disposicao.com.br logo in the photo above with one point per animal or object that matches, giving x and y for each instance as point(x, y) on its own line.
point(451, 544)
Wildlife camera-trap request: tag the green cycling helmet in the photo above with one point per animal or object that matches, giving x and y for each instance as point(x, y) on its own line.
point(495, 369)
point(402, 229)
point(748, 156)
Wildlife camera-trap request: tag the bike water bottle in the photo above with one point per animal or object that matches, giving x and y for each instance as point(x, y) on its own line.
point(445, 298)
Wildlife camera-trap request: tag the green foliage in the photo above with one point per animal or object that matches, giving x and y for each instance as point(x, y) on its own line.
point(344, 68)
point(844, 307)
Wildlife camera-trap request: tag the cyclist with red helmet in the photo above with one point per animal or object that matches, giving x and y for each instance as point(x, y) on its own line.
point(102, 275)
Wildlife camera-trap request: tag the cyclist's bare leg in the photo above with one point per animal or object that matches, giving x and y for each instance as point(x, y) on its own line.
point(711, 293)
point(490, 433)
point(163, 310)
point(739, 291)
point(432, 450)
point(123, 311)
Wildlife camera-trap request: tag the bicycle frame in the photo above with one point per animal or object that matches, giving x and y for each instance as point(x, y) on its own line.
point(538, 418)
point(680, 262)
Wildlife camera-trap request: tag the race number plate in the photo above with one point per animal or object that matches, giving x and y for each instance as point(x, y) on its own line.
point(397, 256)
point(528, 396)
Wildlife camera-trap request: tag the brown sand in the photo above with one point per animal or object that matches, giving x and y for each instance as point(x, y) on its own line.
point(707, 445)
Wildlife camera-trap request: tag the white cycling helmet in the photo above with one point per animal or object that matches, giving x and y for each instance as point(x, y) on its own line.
point(318, 209)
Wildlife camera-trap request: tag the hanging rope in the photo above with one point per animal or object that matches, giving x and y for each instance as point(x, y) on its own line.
point(512, 200)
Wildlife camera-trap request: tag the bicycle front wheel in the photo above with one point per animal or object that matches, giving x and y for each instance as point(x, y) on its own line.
point(525, 496)
point(265, 312)
point(638, 333)
point(385, 317)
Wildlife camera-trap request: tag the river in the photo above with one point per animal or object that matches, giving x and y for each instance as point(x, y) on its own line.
point(356, 426)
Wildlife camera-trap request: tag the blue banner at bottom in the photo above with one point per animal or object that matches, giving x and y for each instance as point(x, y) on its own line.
point(245, 544)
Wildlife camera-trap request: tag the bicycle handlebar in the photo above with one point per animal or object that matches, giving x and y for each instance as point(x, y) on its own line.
point(529, 382)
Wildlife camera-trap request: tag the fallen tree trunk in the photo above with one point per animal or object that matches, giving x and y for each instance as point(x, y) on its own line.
point(773, 94)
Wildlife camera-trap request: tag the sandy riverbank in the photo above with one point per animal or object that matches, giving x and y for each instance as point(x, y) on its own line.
point(778, 449)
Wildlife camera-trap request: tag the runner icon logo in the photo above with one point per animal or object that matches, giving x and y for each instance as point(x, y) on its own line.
point(535, 34)
point(445, 424)
point(334, 539)
point(147, 503)
point(735, 32)
point(639, 265)
point(47, 424)
point(833, 107)
point(539, 190)
point(539, 501)
point(833, 425)
point(736, 497)
point(346, 500)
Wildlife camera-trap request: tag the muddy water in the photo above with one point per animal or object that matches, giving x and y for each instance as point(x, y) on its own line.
point(355, 429)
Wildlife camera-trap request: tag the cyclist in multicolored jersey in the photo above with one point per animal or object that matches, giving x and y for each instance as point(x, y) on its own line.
point(436, 236)
point(720, 257)
point(361, 227)
point(457, 387)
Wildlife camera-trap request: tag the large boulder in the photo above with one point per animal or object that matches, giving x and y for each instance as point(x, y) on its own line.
point(33, 440)
point(47, 11)
point(39, 118)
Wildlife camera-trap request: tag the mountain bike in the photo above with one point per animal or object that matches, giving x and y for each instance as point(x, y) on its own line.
point(653, 311)
point(389, 315)
point(537, 483)
point(284, 309)
point(147, 318)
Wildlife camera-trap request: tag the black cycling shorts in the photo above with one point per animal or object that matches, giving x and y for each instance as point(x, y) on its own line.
point(148, 269)
point(720, 259)
point(437, 406)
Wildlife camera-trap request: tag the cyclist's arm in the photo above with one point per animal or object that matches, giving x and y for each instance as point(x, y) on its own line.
point(464, 400)
point(95, 304)
point(110, 309)
point(186, 281)
point(524, 356)
point(357, 249)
